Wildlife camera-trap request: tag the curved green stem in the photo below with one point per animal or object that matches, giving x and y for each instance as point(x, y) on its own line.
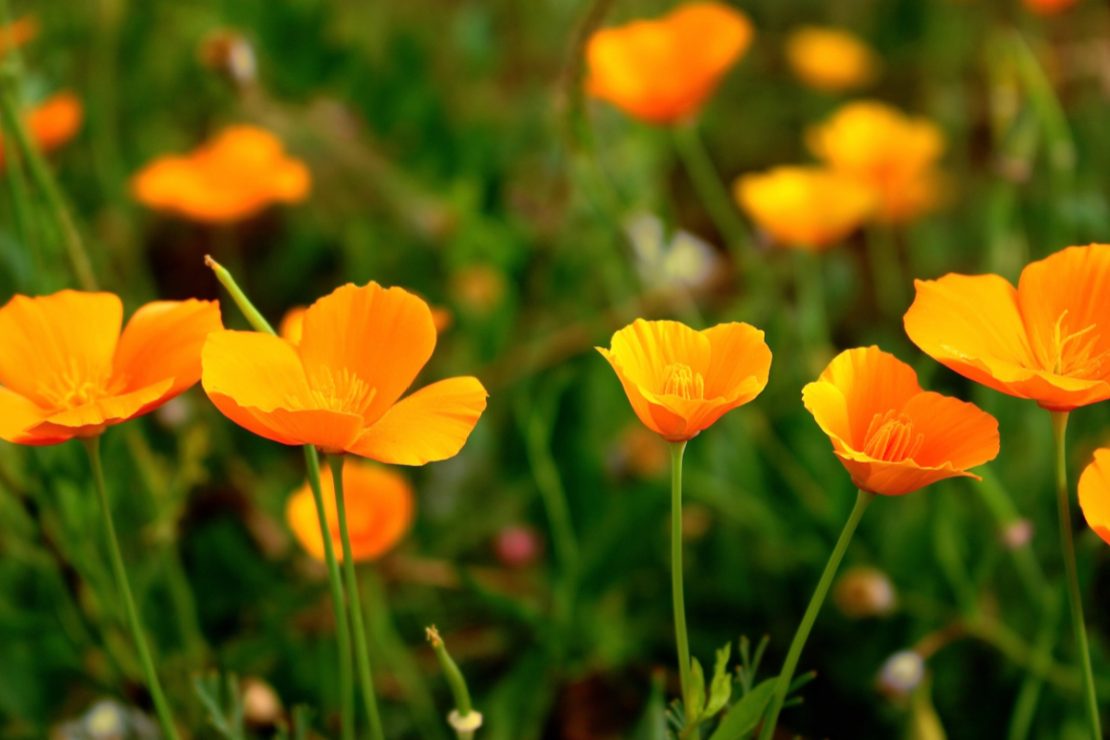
point(342, 625)
point(677, 597)
point(1067, 551)
point(782, 688)
point(362, 654)
point(161, 706)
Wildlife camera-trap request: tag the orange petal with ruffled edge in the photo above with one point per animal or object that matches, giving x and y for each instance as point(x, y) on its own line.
point(430, 425)
point(51, 342)
point(163, 341)
point(257, 381)
point(379, 505)
point(291, 328)
point(17, 415)
point(1094, 494)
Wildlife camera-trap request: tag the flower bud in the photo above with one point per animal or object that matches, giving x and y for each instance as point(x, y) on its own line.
point(865, 592)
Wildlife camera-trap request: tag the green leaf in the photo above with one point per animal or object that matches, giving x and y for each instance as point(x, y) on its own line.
point(695, 702)
point(720, 688)
point(743, 716)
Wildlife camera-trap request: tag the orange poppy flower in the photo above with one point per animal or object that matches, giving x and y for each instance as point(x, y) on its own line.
point(339, 388)
point(1049, 7)
point(53, 122)
point(1094, 494)
point(234, 176)
point(829, 59)
point(805, 207)
point(679, 380)
point(291, 327)
point(18, 33)
point(892, 153)
point(663, 70)
point(1048, 340)
point(379, 506)
point(891, 436)
point(66, 370)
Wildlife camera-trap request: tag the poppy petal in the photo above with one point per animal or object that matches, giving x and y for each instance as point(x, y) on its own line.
point(382, 335)
point(953, 431)
point(163, 340)
point(91, 418)
point(737, 353)
point(646, 405)
point(55, 345)
point(895, 478)
point(872, 382)
point(431, 424)
point(1094, 494)
point(646, 349)
point(17, 415)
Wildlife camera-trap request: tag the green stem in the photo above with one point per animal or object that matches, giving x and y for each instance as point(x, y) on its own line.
point(711, 191)
point(342, 625)
point(165, 717)
point(782, 688)
point(886, 270)
point(814, 324)
point(355, 603)
point(312, 466)
point(464, 719)
point(1067, 551)
point(677, 596)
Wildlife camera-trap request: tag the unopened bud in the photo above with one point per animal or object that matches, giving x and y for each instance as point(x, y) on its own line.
point(901, 674)
point(864, 592)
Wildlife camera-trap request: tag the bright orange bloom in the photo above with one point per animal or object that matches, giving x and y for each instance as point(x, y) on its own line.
point(1049, 7)
point(663, 70)
point(1048, 340)
point(893, 437)
point(339, 388)
point(234, 176)
point(292, 324)
point(805, 207)
point(18, 33)
point(1094, 494)
point(892, 153)
point(379, 506)
point(679, 380)
point(830, 59)
point(66, 370)
point(53, 122)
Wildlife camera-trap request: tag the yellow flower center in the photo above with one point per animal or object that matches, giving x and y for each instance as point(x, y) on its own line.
point(680, 380)
point(74, 386)
point(891, 437)
point(340, 389)
point(1073, 354)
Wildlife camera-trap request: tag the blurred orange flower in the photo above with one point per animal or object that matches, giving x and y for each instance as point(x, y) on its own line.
point(18, 33)
point(1049, 7)
point(892, 153)
point(679, 380)
point(1048, 340)
point(663, 70)
point(830, 59)
point(234, 176)
point(53, 122)
point(805, 207)
point(891, 436)
point(379, 506)
point(1094, 494)
point(339, 388)
point(66, 370)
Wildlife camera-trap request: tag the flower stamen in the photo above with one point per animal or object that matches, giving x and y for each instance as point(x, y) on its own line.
point(890, 437)
point(679, 379)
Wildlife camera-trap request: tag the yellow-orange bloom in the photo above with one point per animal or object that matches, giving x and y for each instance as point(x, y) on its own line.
point(1094, 494)
point(1049, 7)
point(892, 153)
point(18, 33)
point(53, 122)
point(66, 370)
point(805, 207)
point(237, 174)
point(664, 69)
point(679, 380)
point(830, 59)
point(891, 436)
point(1048, 340)
point(339, 388)
point(379, 506)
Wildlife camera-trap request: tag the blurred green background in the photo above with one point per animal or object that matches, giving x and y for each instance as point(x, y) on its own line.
point(453, 154)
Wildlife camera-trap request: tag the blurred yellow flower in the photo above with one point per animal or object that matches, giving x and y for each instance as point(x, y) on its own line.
point(830, 59)
point(894, 154)
point(379, 506)
point(805, 207)
point(234, 176)
point(662, 70)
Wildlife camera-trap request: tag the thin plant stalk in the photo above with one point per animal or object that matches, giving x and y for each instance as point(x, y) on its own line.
point(362, 653)
point(134, 622)
point(782, 688)
point(463, 719)
point(312, 464)
point(813, 324)
point(1067, 551)
point(677, 597)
